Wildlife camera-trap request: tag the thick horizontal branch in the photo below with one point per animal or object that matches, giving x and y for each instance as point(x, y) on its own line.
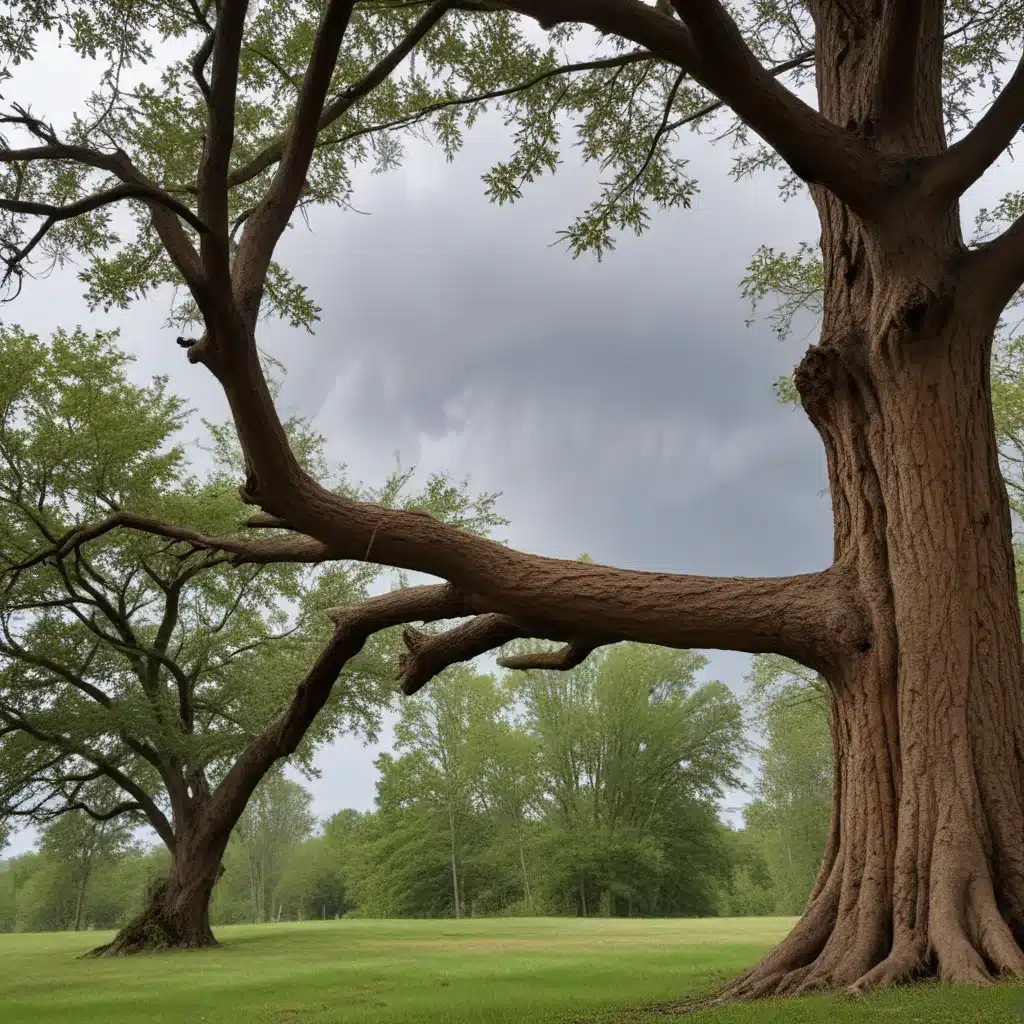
point(807, 617)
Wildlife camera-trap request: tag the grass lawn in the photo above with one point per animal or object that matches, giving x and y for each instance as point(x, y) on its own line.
point(401, 972)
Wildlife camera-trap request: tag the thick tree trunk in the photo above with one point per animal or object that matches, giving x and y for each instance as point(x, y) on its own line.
point(177, 915)
point(924, 868)
point(923, 873)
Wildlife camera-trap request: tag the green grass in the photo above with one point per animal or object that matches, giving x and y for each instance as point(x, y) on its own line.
point(441, 972)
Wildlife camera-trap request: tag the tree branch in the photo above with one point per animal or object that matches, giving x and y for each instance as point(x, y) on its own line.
point(896, 85)
point(163, 207)
point(126, 807)
point(225, 51)
point(995, 271)
point(146, 803)
point(265, 225)
point(241, 549)
point(274, 151)
point(707, 44)
point(949, 175)
point(429, 654)
point(353, 626)
point(808, 618)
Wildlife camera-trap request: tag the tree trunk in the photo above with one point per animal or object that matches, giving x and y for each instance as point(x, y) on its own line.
point(522, 864)
point(177, 915)
point(455, 871)
point(923, 873)
point(924, 866)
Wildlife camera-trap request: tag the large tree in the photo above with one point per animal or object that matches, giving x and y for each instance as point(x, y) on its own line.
point(149, 679)
point(915, 626)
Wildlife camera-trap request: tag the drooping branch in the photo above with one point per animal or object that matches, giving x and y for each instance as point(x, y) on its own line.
point(428, 654)
point(948, 176)
point(15, 721)
point(53, 215)
point(708, 45)
point(805, 617)
point(116, 811)
point(241, 550)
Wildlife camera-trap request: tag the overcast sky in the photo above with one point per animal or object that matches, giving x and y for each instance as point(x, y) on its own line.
point(623, 409)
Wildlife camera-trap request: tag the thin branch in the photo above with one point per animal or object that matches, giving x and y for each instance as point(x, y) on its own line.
point(708, 45)
point(161, 204)
point(274, 151)
point(126, 807)
point(56, 214)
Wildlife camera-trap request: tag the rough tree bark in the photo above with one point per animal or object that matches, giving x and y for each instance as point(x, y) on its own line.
point(177, 913)
point(924, 868)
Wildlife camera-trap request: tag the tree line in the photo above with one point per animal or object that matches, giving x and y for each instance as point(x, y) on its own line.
point(594, 792)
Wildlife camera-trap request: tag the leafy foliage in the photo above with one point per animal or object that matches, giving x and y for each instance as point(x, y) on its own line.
point(132, 662)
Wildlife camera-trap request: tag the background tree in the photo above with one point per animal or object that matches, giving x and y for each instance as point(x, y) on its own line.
point(276, 820)
point(170, 677)
point(588, 792)
point(80, 843)
point(915, 627)
point(789, 817)
point(634, 758)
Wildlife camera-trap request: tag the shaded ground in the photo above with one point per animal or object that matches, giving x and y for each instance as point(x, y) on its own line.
point(419, 972)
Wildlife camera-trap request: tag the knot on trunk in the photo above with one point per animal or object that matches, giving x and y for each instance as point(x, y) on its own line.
point(917, 311)
point(824, 371)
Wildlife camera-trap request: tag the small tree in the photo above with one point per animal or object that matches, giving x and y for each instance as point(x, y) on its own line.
point(143, 678)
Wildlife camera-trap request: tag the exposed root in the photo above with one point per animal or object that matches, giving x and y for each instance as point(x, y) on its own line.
point(963, 941)
point(904, 963)
point(155, 930)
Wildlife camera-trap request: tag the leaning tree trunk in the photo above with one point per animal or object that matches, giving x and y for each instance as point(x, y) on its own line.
point(924, 868)
point(177, 914)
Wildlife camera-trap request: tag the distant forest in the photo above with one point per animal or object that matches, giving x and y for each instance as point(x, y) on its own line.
point(591, 792)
